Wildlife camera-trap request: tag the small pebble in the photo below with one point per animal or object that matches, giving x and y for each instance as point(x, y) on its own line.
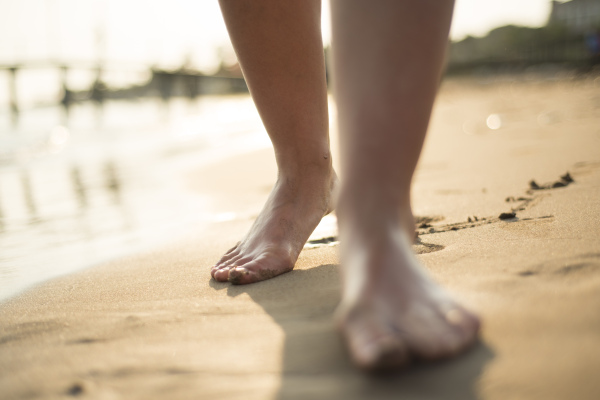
point(533, 184)
point(567, 178)
point(75, 390)
point(507, 215)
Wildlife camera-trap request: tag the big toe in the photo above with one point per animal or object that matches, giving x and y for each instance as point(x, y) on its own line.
point(240, 276)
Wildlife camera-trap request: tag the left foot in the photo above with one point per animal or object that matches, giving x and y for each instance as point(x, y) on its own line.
point(271, 247)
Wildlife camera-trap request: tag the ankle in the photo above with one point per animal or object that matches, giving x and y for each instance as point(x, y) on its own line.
point(307, 170)
point(371, 214)
point(296, 161)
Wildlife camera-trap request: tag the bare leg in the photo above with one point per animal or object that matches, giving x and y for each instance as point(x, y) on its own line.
point(279, 46)
point(388, 56)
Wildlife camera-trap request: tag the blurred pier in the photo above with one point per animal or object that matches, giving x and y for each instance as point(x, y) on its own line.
point(161, 83)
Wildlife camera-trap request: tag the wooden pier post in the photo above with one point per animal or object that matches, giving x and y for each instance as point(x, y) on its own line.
point(12, 90)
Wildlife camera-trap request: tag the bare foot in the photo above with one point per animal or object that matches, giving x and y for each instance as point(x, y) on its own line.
point(391, 311)
point(271, 247)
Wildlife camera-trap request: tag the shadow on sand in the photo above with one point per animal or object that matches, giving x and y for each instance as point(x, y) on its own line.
point(315, 363)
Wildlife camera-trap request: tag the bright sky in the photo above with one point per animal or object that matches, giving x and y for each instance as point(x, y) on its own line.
point(477, 17)
point(166, 32)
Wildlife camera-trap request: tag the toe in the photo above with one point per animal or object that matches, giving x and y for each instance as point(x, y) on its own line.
point(385, 352)
point(219, 268)
point(222, 274)
point(452, 342)
point(434, 339)
point(443, 336)
point(464, 322)
point(241, 276)
point(372, 346)
point(421, 327)
point(249, 272)
point(473, 322)
point(256, 271)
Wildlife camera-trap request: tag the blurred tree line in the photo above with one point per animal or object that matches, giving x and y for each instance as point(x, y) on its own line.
point(523, 46)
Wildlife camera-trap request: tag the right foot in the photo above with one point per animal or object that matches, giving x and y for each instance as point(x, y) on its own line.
point(391, 312)
point(271, 247)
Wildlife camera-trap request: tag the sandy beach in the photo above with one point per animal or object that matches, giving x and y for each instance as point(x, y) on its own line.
point(154, 325)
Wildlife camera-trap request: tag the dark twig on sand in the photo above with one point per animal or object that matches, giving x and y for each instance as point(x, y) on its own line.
point(564, 180)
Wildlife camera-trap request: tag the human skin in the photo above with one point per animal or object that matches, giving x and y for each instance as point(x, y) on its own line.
point(279, 47)
point(388, 57)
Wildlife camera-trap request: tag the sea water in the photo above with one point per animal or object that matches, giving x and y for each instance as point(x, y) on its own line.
point(97, 181)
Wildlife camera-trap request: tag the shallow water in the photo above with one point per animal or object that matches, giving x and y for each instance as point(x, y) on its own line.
point(99, 182)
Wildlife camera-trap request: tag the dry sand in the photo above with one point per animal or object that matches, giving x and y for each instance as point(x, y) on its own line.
point(155, 326)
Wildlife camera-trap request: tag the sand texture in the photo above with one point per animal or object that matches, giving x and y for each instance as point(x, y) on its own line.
point(154, 326)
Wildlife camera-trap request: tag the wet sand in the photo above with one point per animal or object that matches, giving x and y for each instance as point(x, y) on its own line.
point(155, 325)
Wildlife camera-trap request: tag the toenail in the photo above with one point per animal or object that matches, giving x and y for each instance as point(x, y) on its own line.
point(454, 317)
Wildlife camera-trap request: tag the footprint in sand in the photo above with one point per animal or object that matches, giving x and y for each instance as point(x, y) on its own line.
point(325, 235)
point(581, 266)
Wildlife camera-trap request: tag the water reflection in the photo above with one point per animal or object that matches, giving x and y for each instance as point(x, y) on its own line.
point(12, 88)
point(87, 191)
point(112, 181)
point(28, 196)
point(80, 190)
point(1, 214)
